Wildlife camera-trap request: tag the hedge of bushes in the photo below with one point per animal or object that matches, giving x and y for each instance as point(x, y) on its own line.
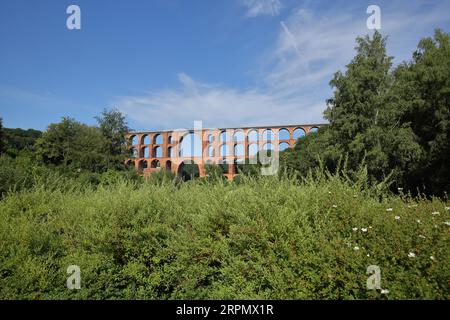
point(261, 238)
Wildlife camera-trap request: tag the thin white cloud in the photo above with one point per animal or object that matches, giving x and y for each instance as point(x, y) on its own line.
point(290, 37)
point(262, 7)
point(216, 106)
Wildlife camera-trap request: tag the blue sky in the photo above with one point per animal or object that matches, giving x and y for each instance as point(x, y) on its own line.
point(166, 63)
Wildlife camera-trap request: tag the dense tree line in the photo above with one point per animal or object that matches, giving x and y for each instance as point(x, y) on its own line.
point(394, 120)
point(94, 148)
point(19, 140)
point(67, 148)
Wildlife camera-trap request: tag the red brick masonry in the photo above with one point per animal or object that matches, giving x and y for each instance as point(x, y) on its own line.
point(157, 150)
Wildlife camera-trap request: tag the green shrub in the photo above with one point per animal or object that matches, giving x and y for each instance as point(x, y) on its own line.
point(264, 238)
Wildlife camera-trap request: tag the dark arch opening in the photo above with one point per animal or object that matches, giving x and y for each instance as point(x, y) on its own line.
point(143, 165)
point(188, 170)
point(155, 164)
point(223, 164)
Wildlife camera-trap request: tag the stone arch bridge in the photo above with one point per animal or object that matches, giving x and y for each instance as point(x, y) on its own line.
point(171, 149)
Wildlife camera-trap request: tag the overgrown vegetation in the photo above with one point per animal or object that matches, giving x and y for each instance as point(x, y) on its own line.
point(265, 238)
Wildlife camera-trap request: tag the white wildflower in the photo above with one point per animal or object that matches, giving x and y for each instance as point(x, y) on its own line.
point(384, 291)
point(389, 209)
point(334, 206)
point(411, 255)
point(435, 213)
point(433, 258)
point(356, 248)
point(397, 217)
point(364, 229)
point(355, 229)
point(418, 221)
point(368, 255)
point(447, 223)
point(421, 236)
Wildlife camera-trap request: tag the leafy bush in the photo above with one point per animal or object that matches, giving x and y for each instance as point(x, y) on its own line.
point(12, 176)
point(264, 238)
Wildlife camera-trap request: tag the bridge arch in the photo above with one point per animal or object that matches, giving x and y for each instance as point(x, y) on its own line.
point(188, 170)
point(158, 139)
point(142, 165)
point(238, 136)
point(252, 136)
point(134, 140)
point(267, 135)
point(283, 146)
point(145, 139)
point(190, 145)
point(298, 133)
point(168, 165)
point(155, 164)
point(157, 152)
point(284, 134)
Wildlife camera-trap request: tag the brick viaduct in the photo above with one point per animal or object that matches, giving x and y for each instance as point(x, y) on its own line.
point(163, 150)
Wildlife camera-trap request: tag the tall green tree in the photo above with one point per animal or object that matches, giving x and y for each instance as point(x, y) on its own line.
point(366, 120)
point(423, 89)
point(73, 145)
point(113, 126)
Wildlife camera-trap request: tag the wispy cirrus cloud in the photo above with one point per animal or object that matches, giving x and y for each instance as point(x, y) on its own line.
point(292, 87)
point(262, 7)
point(313, 45)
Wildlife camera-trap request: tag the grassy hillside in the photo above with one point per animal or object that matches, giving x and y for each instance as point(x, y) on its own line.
point(264, 238)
